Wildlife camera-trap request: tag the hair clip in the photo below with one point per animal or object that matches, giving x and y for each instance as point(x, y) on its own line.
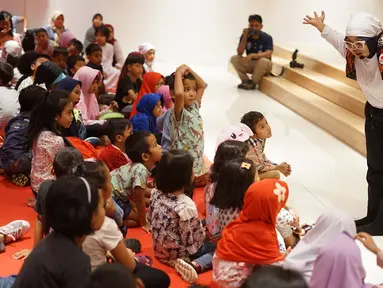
point(246, 165)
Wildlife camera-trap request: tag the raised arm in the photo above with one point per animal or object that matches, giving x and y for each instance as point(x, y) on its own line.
point(335, 38)
point(179, 91)
point(201, 86)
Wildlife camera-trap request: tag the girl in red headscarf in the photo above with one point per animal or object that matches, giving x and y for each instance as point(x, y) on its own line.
point(151, 83)
point(251, 239)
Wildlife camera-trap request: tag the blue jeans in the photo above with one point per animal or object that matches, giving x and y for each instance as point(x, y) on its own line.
point(204, 256)
point(7, 282)
point(119, 216)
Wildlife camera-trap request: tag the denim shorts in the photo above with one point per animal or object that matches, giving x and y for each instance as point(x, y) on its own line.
point(123, 208)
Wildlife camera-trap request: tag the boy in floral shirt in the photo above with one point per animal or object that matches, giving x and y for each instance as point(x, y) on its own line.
point(130, 180)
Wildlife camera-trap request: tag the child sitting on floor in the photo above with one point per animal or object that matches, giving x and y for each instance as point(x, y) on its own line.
point(66, 159)
point(60, 57)
point(186, 127)
point(130, 180)
point(178, 238)
point(77, 128)
point(110, 239)
point(130, 82)
point(262, 131)
point(44, 135)
point(43, 46)
point(151, 84)
point(114, 154)
point(74, 210)
point(149, 52)
point(113, 73)
point(149, 109)
point(74, 63)
point(251, 239)
point(15, 158)
point(75, 48)
point(94, 56)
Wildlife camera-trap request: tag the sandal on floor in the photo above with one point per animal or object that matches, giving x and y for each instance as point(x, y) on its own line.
point(146, 260)
point(133, 244)
point(186, 271)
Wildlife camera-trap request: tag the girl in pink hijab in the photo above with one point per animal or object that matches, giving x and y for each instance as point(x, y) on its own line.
point(339, 265)
point(88, 105)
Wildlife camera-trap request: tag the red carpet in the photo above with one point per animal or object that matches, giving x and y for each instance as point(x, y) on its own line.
point(13, 207)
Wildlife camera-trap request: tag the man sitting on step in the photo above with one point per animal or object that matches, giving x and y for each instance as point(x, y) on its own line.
point(259, 48)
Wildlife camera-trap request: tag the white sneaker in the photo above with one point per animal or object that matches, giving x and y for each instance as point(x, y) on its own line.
point(15, 230)
point(186, 271)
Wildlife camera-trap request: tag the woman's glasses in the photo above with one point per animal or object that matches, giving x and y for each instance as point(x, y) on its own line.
point(358, 45)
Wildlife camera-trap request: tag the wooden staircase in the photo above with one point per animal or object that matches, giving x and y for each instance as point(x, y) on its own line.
point(320, 93)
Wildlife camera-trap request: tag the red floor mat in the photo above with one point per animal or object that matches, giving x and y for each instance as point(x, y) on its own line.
point(13, 207)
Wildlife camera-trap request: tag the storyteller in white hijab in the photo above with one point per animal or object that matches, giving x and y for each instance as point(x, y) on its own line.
point(328, 226)
point(149, 53)
point(362, 48)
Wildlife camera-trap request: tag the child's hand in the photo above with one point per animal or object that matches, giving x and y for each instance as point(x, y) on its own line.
point(22, 255)
point(147, 228)
point(284, 168)
point(368, 242)
point(183, 70)
point(113, 105)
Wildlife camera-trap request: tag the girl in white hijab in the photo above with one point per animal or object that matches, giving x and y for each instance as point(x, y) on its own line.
point(149, 52)
point(329, 225)
point(56, 27)
point(362, 47)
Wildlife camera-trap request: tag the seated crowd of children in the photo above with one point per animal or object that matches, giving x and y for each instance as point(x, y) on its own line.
point(65, 128)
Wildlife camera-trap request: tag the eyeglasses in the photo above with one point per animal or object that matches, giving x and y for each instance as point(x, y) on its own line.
point(358, 45)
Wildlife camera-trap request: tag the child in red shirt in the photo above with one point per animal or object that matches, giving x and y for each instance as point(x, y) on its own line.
point(114, 154)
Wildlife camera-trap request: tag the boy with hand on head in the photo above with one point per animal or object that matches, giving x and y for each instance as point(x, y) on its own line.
point(74, 63)
point(15, 159)
point(262, 131)
point(114, 154)
point(43, 46)
point(130, 180)
point(66, 159)
point(186, 126)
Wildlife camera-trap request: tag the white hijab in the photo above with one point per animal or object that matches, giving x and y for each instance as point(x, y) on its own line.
point(143, 49)
point(330, 224)
point(363, 24)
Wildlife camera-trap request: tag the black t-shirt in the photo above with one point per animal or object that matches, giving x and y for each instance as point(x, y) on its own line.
point(263, 43)
point(42, 195)
point(124, 85)
point(56, 262)
point(97, 67)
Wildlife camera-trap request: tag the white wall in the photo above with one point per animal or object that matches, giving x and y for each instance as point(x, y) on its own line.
point(284, 22)
point(201, 31)
point(192, 31)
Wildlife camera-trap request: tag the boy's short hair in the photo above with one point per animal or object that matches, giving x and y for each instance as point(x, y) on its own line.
point(94, 170)
point(70, 205)
point(57, 51)
point(77, 44)
point(13, 60)
point(112, 275)
point(251, 119)
point(92, 48)
point(169, 80)
point(71, 62)
point(6, 72)
point(136, 145)
point(30, 96)
point(66, 159)
point(135, 57)
point(97, 15)
point(29, 58)
point(41, 30)
point(174, 171)
point(117, 127)
point(103, 30)
point(255, 17)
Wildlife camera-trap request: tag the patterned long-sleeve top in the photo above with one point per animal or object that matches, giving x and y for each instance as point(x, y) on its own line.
point(258, 156)
point(177, 231)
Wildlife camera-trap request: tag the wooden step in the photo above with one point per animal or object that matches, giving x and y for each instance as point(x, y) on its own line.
point(333, 90)
point(316, 66)
point(337, 121)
